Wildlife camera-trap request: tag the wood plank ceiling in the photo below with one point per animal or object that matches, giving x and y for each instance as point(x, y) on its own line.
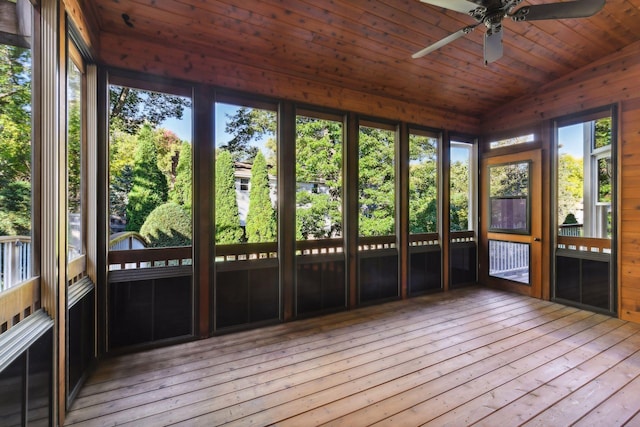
point(366, 45)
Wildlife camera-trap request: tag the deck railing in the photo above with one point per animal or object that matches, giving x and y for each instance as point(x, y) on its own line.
point(574, 230)
point(15, 260)
point(508, 257)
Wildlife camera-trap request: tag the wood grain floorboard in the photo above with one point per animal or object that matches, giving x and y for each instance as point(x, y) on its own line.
point(470, 356)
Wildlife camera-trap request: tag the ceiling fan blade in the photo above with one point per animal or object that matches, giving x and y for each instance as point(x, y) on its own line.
point(437, 45)
point(569, 9)
point(492, 45)
point(462, 6)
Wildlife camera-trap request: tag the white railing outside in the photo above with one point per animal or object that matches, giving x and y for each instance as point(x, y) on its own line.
point(570, 230)
point(15, 260)
point(509, 260)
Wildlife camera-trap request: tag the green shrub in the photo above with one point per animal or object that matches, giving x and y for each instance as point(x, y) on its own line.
point(167, 225)
point(570, 219)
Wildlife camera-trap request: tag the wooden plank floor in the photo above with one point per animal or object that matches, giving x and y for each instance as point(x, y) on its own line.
point(472, 356)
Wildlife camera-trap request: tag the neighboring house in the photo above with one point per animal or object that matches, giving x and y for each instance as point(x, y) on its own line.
point(243, 187)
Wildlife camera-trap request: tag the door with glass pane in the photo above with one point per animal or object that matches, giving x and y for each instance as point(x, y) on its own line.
point(511, 222)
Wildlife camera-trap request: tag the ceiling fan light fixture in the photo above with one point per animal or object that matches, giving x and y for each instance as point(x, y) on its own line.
point(493, 14)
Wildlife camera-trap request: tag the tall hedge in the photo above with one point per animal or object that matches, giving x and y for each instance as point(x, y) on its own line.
point(166, 226)
point(261, 223)
point(149, 188)
point(181, 193)
point(228, 229)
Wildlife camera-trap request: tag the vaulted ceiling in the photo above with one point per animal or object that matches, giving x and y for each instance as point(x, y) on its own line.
point(366, 45)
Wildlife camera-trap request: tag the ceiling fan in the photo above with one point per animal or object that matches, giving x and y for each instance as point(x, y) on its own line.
point(492, 12)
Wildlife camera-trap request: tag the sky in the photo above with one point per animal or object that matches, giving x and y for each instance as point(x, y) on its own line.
point(570, 137)
point(182, 127)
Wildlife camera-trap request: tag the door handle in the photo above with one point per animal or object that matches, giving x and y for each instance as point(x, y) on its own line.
point(537, 239)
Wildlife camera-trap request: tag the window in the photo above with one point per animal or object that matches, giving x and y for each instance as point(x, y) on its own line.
point(150, 168)
point(423, 182)
point(523, 139)
point(509, 207)
point(585, 179)
point(246, 149)
point(16, 174)
point(320, 258)
point(318, 178)
point(376, 181)
point(462, 186)
point(247, 277)
point(75, 155)
point(378, 254)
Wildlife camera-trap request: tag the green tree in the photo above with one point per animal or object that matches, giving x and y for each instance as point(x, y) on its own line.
point(15, 215)
point(181, 191)
point(132, 108)
point(247, 125)
point(122, 149)
point(149, 188)
point(602, 132)
point(423, 184)
point(318, 161)
point(74, 140)
point(15, 140)
point(167, 225)
point(570, 185)
point(228, 229)
point(376, 182)
point(261, 223)
point(168, 147)
point(459, 196)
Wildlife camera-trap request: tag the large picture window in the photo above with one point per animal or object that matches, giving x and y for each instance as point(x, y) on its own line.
point(16, 153)
point(423, 182)
point(149, 168)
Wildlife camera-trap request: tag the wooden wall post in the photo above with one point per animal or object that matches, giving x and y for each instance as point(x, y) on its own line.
point(287, 206)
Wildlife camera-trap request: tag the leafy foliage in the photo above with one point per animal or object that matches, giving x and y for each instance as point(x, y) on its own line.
point(15, 215)
point(167, 225)
point(132, 108)
point(181, 192)
point(74, 138)
point(510, 180)
point(376, 182)
point(319, 161)
point(15, 140)
point(168, 147)
point(261, 219)
point(459, 196)
point(602, 132)
point(228, 230)
point(570, 186)
point(149, 188)
point(423, 184)
point(247, 125)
